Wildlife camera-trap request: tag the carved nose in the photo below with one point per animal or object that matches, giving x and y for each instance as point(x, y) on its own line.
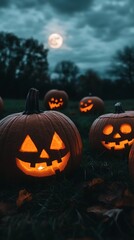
point(117, 135)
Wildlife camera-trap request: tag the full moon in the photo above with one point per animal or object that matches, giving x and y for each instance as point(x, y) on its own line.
point(55, 40)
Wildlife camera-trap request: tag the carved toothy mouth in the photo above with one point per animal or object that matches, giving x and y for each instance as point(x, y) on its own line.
point(117, 146)
point(85, 109)
point(42, 169)
point(55, 105)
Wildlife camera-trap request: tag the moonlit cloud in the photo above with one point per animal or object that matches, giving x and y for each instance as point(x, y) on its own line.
point(92, 30)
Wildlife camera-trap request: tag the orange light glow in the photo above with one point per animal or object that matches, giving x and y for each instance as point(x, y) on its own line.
point(41, 169)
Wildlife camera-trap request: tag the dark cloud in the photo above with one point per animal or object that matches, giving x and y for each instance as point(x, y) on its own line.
point(4, 3)
point(108, 20)
point(68, 7)
point(93, 30)
point(21, 4)
point(61, 6)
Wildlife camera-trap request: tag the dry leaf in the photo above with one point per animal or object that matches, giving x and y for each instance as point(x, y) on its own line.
point(24, 196)
point(95, 182)
point(98, 210)
point(113, 191)
point(127, 200)
point(128, 194)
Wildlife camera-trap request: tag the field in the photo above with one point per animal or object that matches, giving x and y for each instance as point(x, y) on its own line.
point(95, 203)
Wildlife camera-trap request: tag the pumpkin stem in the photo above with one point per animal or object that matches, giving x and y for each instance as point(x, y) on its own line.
point(32, 102)
point(118, 108)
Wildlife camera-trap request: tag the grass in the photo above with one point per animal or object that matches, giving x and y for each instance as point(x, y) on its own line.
point(59, 206)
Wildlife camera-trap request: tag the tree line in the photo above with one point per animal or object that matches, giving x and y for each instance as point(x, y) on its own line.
point(24, 64)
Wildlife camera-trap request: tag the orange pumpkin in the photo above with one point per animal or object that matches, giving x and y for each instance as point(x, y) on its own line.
point(55, 99)
point(91, 104)
point(38, 144)
point(113, 132)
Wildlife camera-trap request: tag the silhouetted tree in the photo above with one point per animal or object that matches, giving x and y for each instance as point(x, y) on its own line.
point(109, 89)
point(68, 72)
point(33, 68)
point(122, 67)
point(23, 64)
point(122, 70)
point(9, 45)
point(90, 82)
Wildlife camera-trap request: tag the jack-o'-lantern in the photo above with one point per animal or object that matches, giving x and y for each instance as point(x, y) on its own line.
point(45, 164)
point(1, 104)
point(38, 144)
point(91, 104)
point(55, 99)
point(113, 132)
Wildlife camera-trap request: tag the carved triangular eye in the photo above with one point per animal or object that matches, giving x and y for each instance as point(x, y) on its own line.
point(57, 143)
point(28, 145)
point(44, 154)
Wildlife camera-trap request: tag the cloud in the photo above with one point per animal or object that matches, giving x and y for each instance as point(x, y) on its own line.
point(4, 3)
point(69, 7)
point(62, 7)
point(108, 20)
point(92, 30)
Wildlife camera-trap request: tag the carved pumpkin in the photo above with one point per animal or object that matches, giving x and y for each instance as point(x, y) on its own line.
point(38, 144)
point(1, 104)
point(55, 99)
point(91, 104)
point(113, 132)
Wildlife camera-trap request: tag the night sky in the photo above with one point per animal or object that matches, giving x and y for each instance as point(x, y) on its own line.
point(93, 30)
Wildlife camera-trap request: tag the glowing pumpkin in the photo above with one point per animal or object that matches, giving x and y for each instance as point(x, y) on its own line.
point(113, 132)
point(38, 144)
point(91, 104)
point(55, 99)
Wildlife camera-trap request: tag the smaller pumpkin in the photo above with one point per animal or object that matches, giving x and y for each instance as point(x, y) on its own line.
point(55, 99)
point(91, 104)
point(1, 104)
point(113, 132)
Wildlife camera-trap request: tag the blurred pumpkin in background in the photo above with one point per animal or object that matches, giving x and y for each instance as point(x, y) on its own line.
point(91, 104)
point(55, 99)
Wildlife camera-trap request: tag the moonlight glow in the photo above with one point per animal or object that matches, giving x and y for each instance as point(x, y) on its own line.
point(55, 40)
